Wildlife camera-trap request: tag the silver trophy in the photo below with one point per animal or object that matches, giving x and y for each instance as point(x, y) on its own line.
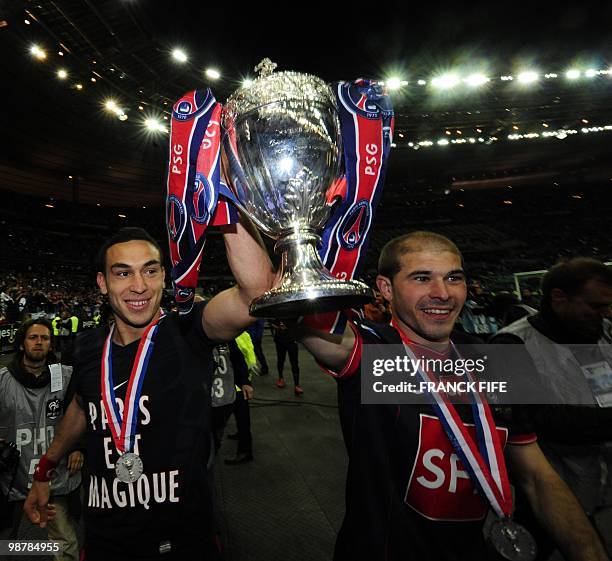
point(283, 147)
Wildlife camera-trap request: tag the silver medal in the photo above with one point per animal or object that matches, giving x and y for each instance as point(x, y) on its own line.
point(510, 541)
point(128, 467)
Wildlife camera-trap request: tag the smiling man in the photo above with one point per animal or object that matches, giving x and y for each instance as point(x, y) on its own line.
point(142, 397)
point(409, 493)
point(423, 279)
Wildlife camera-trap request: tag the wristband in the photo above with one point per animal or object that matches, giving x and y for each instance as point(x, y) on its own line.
point(44, 468)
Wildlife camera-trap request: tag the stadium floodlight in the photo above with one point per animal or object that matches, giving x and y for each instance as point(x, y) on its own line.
point(247, 83)
point(38, 53)
point(573, 74)
point(445, 82)
point(476, 80)
point(528, 77)
point(111, 105)
point(213, 73)
point(179, 55)
point(62, 74)
point(422, 82)
point(154, 125)
point(394, 83)
point(591, 73)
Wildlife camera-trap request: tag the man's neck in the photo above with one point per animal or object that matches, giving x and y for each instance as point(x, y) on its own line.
point(408, 333)
point(33, 367)
point(126, 334)
point(560, 332)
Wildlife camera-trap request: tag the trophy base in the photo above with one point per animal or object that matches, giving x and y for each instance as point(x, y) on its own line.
point(324, 296)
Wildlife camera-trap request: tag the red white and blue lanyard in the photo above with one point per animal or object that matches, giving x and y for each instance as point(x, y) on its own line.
point(484, 461)
point(123, 429)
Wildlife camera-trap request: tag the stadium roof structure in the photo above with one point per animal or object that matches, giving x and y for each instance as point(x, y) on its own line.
point(454, 128)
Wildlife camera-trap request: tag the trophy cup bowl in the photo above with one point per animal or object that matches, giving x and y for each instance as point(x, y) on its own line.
point(282, 146)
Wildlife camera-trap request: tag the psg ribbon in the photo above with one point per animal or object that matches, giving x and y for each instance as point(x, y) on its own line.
point(484, 461)
point(194, 184)
point(123, 430)
point(366, 123)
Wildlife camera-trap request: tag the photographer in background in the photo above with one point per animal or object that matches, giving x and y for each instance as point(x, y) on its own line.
point(32, 400)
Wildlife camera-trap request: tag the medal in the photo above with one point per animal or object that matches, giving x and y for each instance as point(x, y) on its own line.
point(509, 541)
point(484, 462)
point(128, 467)
point(123, 428)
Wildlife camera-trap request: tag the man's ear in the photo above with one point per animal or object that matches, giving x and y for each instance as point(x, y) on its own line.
point(101, 280)
point(385, 286)
point(557, 296)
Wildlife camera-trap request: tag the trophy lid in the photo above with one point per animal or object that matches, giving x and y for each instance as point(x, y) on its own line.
point(271, 87)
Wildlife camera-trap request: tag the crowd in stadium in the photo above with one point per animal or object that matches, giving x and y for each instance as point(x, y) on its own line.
point(47, 270)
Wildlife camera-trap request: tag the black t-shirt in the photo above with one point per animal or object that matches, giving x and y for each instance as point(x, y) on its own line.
point(408, 495)
point(172, 500)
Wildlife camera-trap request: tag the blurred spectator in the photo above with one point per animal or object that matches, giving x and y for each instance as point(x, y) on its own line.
point(33, 398)
point(561, 341)
point(244, 393)
point(377, 311)
point(256, 331)
point(529, 298)
point(286, 345)
point(506, 309)
point(476, 316)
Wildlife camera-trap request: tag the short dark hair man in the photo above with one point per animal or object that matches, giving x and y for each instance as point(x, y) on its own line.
point(408, 494)
point(32, 403)
point(563, 341)
point(148, 431)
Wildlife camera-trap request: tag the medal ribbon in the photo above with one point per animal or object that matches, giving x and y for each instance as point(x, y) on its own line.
point(123, 430)
point(484, 462)
point(366, 125)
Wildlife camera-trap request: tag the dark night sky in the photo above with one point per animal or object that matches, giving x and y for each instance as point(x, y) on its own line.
point(375, 36)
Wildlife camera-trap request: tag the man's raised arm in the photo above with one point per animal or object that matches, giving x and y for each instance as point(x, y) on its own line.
point(70, 430)
point(227, 314)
